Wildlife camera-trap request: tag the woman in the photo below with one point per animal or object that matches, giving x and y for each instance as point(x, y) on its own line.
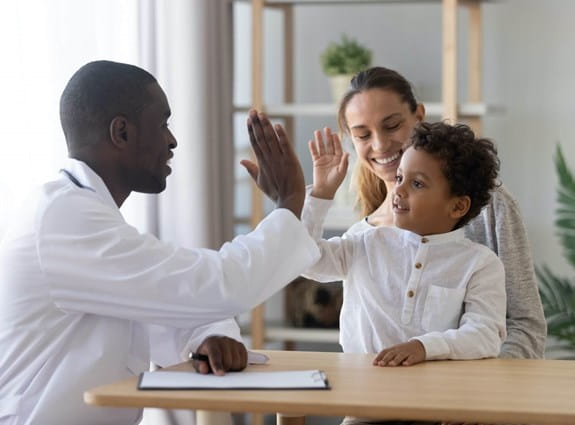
point(379, 113)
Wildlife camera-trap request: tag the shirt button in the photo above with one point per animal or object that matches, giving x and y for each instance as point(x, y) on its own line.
point(410, 293)
point(417, 265)
point(424, 240)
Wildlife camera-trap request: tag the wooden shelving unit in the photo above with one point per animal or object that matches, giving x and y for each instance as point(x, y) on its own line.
point(448, 108)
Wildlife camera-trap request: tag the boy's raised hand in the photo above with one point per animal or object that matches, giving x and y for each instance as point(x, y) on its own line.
point(278, 171)
point(329, 163)
point(406, 354)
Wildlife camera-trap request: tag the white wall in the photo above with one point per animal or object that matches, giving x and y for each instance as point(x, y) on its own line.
point(531, 45)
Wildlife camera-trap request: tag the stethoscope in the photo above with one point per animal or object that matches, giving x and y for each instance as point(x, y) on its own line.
point(74, 180)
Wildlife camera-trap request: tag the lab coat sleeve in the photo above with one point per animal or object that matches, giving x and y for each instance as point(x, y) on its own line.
point(96, 263)
point(172, 345)
point(481, 330)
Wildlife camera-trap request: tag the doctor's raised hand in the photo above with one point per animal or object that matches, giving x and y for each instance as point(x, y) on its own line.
point(278, 171)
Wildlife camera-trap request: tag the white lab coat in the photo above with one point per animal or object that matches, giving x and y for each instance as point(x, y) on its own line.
point(85, 299)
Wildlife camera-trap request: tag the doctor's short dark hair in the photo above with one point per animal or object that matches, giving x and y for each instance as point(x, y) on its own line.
point(98, 92)
point(470, 164)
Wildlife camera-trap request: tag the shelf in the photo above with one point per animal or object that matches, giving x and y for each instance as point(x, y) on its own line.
point(277, 332)
point(338, 219)
point(433, 109)
point(354, 2)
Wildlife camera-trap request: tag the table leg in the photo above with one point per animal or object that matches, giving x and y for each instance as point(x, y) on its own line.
point(204, 417)
point(282, 419)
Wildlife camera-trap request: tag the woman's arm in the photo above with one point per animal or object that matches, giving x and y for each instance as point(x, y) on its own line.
point(500, 227)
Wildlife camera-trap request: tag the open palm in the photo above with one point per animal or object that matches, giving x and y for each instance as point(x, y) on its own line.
point(329, 163)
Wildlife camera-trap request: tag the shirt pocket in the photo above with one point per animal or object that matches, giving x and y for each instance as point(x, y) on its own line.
point(443, 308)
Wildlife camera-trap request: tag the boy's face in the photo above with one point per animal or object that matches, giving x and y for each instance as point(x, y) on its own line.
point(422, 200)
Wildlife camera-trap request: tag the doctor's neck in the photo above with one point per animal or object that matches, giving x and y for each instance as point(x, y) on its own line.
point(110, 171)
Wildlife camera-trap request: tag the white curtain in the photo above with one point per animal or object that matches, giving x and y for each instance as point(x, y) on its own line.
point(187, 45)
point(42, 43)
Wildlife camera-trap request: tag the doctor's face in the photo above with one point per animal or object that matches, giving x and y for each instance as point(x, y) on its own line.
point(153, 144)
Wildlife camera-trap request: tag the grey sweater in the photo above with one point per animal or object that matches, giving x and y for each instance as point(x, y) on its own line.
point(500, 227)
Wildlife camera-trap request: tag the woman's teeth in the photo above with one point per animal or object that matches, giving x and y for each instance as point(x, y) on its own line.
point(384, 161)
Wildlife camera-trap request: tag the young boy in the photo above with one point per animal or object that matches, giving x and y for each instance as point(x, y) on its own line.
point(420, 290)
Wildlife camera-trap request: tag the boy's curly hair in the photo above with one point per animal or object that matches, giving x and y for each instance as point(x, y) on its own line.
point(470, 165)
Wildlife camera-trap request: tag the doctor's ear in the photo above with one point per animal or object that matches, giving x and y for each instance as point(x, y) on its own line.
point(119, 129)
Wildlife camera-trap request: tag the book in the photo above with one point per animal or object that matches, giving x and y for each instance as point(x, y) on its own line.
point(282, 380)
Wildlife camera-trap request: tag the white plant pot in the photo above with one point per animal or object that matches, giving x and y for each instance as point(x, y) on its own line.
point(339, 85)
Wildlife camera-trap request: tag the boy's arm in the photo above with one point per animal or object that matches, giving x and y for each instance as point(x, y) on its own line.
point(336, 258)
point(482, 326)
point(330, 167)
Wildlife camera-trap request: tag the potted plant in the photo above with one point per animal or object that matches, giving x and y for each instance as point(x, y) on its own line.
point(558, 293)
point(340, 61)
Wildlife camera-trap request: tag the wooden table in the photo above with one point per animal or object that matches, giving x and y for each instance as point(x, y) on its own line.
point(490, 391)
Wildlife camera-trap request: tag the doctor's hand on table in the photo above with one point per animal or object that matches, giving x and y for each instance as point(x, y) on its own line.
point(224, 354)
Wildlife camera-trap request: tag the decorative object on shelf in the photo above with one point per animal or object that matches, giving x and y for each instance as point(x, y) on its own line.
point(558, 294)
point(340, 61)
point(310, 304)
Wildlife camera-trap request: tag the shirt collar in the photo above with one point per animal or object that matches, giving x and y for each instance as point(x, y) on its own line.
point(453, 236)
point(89, 179)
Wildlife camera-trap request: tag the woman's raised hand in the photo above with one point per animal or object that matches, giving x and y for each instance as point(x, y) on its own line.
point(329, 163)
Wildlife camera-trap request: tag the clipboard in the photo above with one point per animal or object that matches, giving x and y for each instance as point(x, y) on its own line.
point(280, 380)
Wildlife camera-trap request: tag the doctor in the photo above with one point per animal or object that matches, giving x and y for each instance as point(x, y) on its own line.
point(85, 299)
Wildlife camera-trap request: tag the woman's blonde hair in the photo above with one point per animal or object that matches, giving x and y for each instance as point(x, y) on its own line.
point(371, 191)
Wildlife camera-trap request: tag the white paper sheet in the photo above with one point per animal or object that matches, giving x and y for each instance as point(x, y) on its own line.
point(175, 380)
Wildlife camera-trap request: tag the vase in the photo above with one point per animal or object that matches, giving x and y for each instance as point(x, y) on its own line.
point(339, 85)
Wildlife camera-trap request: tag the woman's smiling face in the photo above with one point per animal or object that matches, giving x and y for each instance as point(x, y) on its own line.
point(380, 124)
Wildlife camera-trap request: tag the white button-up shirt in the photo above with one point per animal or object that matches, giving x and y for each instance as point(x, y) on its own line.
point(86, 300)
point(443, 290)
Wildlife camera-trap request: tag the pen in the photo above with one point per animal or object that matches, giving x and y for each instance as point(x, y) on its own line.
point(200, 357)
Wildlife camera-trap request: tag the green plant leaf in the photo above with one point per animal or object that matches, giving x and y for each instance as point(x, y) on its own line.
point(345, 57)
point(566, 211)
point(558, 294)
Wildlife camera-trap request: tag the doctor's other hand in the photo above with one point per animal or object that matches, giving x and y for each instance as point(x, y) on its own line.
point(278, 171)
point(406, 354)
point(329, 163)
point(224, 354)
